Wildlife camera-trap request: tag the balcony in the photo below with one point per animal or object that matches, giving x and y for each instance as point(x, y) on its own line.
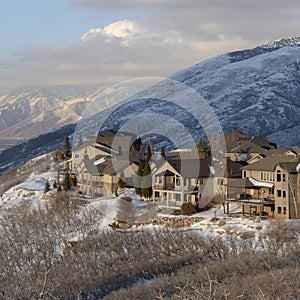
point(165, 187)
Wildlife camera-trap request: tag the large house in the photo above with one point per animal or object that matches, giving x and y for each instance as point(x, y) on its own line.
point(188, 178)
point(99, 178)
point(270, 185)
point(100, 162)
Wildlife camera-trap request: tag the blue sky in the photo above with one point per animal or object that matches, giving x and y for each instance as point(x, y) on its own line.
point(100, 41)
point(33, 23)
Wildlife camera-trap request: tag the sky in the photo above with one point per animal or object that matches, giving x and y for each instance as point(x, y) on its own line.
point(77, 42)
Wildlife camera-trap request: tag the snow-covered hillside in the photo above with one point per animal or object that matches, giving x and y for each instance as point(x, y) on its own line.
point(256, 91)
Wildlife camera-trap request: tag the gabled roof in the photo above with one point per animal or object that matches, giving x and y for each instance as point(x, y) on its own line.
point(290, 167)
point(187, 168)
point(270, 161)
point(234, 135)
point(113, 168)
point(244, 147)
point(233, 169)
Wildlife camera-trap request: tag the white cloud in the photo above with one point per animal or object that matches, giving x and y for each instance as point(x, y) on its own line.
point(123, 29)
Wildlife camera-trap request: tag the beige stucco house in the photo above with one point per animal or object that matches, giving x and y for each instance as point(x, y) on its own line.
point(270, 185)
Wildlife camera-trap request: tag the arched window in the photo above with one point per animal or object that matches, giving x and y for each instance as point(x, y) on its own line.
point(278, 177)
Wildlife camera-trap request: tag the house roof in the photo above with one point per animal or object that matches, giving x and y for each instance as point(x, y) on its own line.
point(90, 167)
point(202, 168)
point(244, 147)
point(112, 133)
point(234, 135)
point(192, 168)
point(111, 167)
point(271, 160)
point(241, 183)
point(290, 167)
point(233, 169)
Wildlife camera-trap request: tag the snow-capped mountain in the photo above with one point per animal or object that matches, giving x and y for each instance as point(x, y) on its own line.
point(256, 91)
point(29, 112)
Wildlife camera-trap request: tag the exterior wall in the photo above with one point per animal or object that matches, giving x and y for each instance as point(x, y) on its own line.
point(88, 151)
point(281, 194)
point(175, 190)
point(264, 176)
point(296, 203)
point(110, 184)
point(90, 185)
point(256, 209)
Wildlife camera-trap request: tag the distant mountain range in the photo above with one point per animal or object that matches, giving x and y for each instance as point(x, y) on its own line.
point(256, 91)
point(29, 112)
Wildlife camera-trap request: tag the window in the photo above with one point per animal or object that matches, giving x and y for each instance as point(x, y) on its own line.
point(220, 181)
point(284, 194)
point(186, 198)
point(244, 174)
point(278, 178)
point(283, 177)
point(200, 181)
point(284, 210)
point(177, 181)
point(156, 194)
point(266, 176)
point(76, 156)
point(177, 197)
point(278, 193)
point(279, 210)
point(158, 179)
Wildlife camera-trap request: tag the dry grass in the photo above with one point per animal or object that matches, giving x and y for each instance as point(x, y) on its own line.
point(53, 253)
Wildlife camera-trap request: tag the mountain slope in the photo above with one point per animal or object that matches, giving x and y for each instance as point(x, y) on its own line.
point(256, 91)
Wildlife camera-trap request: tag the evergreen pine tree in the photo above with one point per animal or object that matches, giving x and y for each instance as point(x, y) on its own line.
point(47, 187)
point(138, 183)
point(162, 153)
point(203, 148)
point(147, 181)
point(67, 148)
point(149, 154)
point(67, 182)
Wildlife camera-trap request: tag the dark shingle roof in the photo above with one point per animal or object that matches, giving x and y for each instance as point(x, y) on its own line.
point(290, 167)
point(90, 167)
point(270, 161)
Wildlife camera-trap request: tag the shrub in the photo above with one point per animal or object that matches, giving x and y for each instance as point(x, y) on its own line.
point(188, 208)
